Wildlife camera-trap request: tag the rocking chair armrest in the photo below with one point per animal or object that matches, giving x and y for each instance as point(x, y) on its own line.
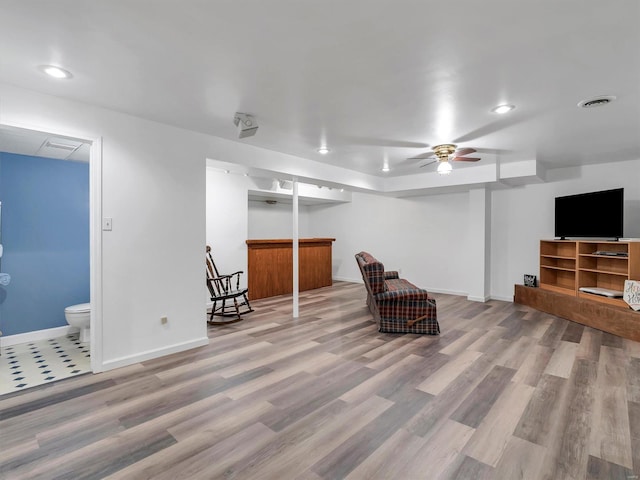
point(221, 277)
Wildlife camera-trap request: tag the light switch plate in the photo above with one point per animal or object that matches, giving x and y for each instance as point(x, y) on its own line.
point(107, 224)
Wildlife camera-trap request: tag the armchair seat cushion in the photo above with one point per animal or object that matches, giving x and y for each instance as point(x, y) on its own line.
point(398, 284)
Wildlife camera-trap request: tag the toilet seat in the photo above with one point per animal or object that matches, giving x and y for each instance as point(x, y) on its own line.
point(80, 308)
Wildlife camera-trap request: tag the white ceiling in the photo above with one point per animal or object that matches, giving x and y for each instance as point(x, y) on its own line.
point(376, 80)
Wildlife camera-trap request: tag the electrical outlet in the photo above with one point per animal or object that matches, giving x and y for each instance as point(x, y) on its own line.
point(164, 320)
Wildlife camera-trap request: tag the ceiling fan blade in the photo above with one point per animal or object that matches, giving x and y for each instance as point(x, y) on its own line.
point(422, 156)
point(425, 164)
point(464, 151)
point(465, 159)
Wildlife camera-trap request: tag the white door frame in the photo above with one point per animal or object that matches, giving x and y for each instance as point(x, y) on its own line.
point(95, 230)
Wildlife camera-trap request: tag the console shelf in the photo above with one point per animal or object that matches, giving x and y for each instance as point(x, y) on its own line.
point(567, 265)
point(604, 272)
point(558, 265)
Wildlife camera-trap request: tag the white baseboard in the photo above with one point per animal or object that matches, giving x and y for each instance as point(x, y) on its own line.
point(345, 279)
point(502, 298)
point(446, 292)
point(151, 354)
point(37, 335)
point(473, 298)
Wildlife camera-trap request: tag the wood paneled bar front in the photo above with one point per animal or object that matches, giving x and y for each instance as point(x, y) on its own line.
point(270, 265)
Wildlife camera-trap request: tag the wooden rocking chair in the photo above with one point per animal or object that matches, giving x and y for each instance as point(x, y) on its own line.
point(229, 300)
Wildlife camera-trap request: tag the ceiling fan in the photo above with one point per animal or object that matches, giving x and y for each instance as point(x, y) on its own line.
point(446, 153)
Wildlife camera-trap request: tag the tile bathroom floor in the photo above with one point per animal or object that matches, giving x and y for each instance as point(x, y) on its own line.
point(29, 364)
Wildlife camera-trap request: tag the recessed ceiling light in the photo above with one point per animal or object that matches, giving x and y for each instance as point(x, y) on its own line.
point(385, 168)
point(597, 101)
point(503, 108)
point(323, 150)
point(55, 72)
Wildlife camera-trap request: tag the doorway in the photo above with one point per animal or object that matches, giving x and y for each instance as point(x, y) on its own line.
point(67, 147)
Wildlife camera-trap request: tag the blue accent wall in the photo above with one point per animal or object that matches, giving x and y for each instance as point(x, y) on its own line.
point(45, 233)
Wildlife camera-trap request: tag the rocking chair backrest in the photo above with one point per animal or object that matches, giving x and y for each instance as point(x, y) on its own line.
point(213, 283)
point(212, 270)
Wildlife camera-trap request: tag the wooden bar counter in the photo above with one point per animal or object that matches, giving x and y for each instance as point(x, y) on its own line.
point(270, 265)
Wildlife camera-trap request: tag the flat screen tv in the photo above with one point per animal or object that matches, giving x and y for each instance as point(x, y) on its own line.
point(592, 215)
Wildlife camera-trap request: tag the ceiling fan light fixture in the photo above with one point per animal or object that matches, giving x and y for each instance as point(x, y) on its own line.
point(444, 168)
point(502, 109)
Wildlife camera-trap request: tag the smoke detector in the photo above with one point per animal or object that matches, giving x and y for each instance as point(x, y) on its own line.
point(597, 101)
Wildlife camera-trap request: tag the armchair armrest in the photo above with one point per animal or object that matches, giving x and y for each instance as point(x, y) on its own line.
point(407, 295)
point(391, 275)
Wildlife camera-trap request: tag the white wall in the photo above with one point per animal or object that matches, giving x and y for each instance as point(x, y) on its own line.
point(226, 219)
point(522, 216)
point(232, 219)
point(425, 237)
point(275, 220)
point(430, 238)
point(479, 245)
point(153, 186)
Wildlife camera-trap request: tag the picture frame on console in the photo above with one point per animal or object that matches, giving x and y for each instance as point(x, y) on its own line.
point(530, 281)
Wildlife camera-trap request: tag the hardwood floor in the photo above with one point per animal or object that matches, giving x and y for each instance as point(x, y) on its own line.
point(505, 392)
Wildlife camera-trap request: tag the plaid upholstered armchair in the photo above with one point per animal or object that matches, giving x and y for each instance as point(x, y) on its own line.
point(397, 305)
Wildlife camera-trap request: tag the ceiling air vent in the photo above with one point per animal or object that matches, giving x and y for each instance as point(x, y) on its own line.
point(597, 102)
point(61, 146)
point(58, 148)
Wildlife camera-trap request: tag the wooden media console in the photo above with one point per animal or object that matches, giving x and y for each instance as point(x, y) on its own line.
point(567, 265)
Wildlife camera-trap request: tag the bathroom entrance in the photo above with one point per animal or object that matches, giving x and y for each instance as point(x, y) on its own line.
point(45, 295)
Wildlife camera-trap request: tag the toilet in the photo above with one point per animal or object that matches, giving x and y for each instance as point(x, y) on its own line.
point(80, 316)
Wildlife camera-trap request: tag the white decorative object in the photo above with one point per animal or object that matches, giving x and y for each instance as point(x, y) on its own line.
point(632, 293)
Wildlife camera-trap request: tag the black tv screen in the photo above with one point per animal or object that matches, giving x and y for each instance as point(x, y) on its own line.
point(594, 215)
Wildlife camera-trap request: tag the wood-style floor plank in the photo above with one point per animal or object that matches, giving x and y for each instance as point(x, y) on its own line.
point(611, 436)
point(562, 360)
point(521, 460)
point(438, 381)
point(490, 439)
point(505, 392)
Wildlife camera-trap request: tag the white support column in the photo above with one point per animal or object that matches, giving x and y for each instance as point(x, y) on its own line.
point(479, 248)
point(296, 312)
